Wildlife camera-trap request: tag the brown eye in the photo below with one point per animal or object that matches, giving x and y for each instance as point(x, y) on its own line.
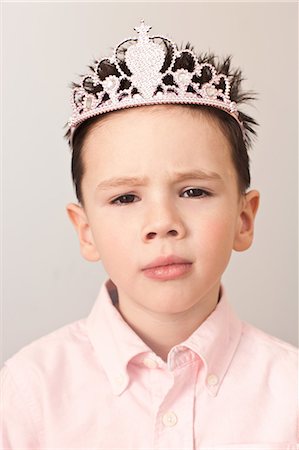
point(126, 197)
point(196, 192)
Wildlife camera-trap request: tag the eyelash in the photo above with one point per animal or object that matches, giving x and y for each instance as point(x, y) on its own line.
point(206, 194)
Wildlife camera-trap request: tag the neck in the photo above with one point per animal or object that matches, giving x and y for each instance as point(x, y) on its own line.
point(161, 332)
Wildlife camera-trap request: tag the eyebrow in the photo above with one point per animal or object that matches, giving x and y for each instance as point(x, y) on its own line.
point(178, 176)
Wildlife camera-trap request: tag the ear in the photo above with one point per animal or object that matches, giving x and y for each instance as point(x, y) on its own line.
point(79, 219)
point(245, 226)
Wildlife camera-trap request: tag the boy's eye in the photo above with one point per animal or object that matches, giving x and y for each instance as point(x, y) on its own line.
point(198, 192)
point(129, 198)
point(117, 201)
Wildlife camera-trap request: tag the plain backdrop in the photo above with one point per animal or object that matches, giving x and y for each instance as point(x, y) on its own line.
point(46, 282)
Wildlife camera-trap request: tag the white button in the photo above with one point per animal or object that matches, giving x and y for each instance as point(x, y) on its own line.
point(119, 380)
point(150, 363)
point(170, 419)
point(212, 380)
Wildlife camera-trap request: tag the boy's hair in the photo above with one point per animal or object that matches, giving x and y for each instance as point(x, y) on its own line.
point(229, 126)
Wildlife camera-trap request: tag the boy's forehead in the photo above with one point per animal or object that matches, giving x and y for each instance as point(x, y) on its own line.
point(147, 112)
point(136, 146)
point(118, 149)
point(155, 116)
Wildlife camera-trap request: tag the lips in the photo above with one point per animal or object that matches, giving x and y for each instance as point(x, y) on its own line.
point(166, 261)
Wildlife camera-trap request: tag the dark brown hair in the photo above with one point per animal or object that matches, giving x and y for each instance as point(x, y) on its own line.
point(229, 126)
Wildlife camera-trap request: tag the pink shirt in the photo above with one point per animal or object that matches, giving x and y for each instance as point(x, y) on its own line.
point(94, 384)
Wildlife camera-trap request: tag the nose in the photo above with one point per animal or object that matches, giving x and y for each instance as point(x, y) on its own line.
point(163, 221)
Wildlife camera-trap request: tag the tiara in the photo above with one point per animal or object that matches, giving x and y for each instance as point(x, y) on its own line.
point(140, 73)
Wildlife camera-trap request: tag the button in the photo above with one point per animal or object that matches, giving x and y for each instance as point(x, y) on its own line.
point(119, 380)
point(212, 380)
point(169, 419)
point(150, 363)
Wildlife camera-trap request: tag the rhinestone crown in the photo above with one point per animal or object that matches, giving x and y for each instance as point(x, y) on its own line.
point(140, 74)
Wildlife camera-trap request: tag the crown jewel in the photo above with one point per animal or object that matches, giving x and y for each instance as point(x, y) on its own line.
point(140, 74)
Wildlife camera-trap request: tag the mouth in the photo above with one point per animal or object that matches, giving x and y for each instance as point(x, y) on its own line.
point(167, 267)
point(168, 271)
point(163, 261)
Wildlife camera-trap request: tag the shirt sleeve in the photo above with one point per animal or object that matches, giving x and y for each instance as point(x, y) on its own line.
point(17, 429)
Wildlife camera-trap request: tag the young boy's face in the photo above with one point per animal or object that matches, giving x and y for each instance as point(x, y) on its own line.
point(199, 219)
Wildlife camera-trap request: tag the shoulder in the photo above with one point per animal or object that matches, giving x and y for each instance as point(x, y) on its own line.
point(51, 351)
point(268, 352)
point(268, 341)
point(43, 376)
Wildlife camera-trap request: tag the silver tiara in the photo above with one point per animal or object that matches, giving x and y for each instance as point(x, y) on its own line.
point(141, 74)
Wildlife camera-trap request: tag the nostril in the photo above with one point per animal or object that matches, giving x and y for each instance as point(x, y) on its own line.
point(152, 234)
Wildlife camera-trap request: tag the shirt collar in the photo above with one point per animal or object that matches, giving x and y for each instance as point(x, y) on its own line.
point(116, 343)
point(215, 341)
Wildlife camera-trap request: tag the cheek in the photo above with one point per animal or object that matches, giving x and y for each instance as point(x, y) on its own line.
point(216, 234)
point(111, 239)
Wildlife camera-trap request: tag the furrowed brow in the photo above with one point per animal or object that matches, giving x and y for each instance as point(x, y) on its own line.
point(121, 181)
point(178, 176)
point(197, 174)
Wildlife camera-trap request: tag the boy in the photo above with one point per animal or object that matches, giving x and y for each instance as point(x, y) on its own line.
point(162, 203)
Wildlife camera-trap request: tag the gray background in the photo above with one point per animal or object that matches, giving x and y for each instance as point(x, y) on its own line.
point(46, 282)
